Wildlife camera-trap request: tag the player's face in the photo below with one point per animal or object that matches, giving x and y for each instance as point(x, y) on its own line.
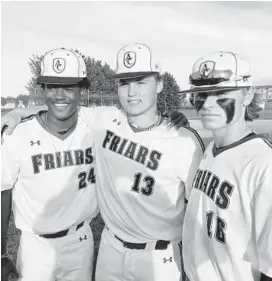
point(62, 101)
point(139, 95)
point(220, 109)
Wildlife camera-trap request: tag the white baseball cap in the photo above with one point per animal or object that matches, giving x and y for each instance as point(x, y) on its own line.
point(220, 71)
point(134, 61)
point(62, 66)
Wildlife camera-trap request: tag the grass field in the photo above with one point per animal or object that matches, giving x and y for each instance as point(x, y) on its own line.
point(98, 224)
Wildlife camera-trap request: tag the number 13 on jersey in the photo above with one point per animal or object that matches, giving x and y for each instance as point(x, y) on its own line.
point(143, 184)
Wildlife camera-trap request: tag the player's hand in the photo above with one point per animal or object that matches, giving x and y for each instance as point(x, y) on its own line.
point(8, 123)
point(175, 119)
point(7, 268)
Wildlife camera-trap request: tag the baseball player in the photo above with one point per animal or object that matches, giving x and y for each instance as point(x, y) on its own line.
point(147, 176)
point(144, 175)
point(48, 170)
point(227, 233)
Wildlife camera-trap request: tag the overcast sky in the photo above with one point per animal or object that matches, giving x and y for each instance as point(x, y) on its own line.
point(177, 32)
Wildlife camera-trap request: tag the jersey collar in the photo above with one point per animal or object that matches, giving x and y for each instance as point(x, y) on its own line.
point(61, 136)
point(216, 151)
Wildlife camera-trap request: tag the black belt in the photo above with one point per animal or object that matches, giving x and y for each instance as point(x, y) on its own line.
point(60, 233)
point(160, 244)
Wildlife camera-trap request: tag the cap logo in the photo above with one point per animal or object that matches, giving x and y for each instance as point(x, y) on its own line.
point(205, 68)
point(129, 59)
point(59, 65)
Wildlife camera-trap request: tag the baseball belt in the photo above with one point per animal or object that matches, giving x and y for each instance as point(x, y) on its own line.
point(60, 233)
point(160, 244)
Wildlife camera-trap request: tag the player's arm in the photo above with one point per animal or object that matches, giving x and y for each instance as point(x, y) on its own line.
point(5, 216)
point(262, 218)
point(194, 156)
point(7, 264)
point(9, 172)
point(95, 117)
point(14, 117)
point(175, 119)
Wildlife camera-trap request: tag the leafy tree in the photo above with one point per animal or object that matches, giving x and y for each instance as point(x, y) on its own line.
point(10, 99)
point(35, 68)
point(3, 101)
point(168, 98)
point(24, 98)
point(102, 88)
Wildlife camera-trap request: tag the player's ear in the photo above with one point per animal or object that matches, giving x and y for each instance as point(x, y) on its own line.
point(42, 88)
point(249, 95)
point(83, 92)
point(159, 86)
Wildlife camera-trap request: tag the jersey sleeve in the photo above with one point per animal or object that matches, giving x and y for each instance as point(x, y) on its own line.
point(88, 116)
point(262, 219)
point(10, 161)
point(95, 117)
point(190, 160)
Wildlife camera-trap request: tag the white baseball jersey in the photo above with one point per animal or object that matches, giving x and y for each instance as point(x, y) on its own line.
point(52, 175)
point(144, 177)
point(227, 232)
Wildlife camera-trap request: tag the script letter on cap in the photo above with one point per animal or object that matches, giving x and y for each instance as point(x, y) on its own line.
point(59, 65)
point(129, 59)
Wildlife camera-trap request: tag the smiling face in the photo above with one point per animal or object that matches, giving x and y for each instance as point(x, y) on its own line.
point(62, 100)
point(220, 109)
point(139, 95)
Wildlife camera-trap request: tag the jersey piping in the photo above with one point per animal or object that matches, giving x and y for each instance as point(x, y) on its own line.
point(216, 151)
point(197, 136)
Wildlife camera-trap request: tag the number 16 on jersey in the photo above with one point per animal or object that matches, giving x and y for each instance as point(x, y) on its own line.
point(218, 224)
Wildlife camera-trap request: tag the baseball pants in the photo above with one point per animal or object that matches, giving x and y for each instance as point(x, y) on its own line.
point(118, 263)
point(68, 258)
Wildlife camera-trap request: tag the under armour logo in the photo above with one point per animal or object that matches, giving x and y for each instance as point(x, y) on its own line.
point(118, 122)
point(35, 142)
point(166, 260)
point(82, 238)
